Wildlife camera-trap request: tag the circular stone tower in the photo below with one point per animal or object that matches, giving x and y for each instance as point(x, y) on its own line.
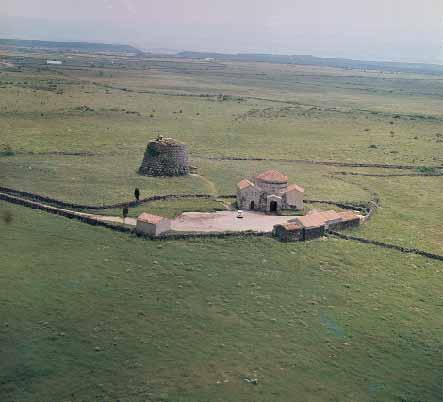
point(165, 157)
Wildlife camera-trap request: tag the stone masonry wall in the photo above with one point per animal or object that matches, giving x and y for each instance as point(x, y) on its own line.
point(165, 158)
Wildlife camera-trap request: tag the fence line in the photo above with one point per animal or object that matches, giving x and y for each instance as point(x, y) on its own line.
point(120, 228)
point(63, 212)
point(129, 204)
point(177, 236)
point(402, 249)
point(320, 162)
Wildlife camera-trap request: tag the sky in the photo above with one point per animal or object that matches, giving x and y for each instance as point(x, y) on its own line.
point(398, 30)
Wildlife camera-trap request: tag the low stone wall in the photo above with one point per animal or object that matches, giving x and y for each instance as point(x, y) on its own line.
point(434, 174)
point(64, 213)
point(402, 249)
point(320, 162)
point(344, 205)
point(373, 206)
point(176, 236)
point(199, 235)
point(347, 224)
point(120, 228)
point(364, 207)
point(129, 204)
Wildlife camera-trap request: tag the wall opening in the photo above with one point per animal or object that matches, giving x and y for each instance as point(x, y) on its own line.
point(273, 206)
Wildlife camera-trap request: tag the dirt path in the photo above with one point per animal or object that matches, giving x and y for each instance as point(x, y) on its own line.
point(114, 219)
point(66, 212)
point(210, 184)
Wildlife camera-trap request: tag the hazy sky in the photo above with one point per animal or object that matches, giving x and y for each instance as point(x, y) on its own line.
point(406, 30)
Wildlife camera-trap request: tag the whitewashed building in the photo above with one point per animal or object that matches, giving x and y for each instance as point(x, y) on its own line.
point(152, 225)
point(269, 192)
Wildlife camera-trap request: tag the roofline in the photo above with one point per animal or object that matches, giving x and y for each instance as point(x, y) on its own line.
point(272, 182)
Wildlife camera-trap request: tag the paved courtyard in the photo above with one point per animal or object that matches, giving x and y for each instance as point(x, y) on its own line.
point(226, 221)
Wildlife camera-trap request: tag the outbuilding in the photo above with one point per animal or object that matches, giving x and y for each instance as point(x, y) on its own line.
point(315, 225)
point(288, 232)
point(152, 225)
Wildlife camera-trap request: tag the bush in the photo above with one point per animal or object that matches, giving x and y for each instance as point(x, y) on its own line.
point(426, 169)
point(6, 150)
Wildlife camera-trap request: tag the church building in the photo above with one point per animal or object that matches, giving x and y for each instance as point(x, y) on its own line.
point(269, 192)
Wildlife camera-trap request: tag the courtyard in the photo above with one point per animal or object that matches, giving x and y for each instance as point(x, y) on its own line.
point(226, 221)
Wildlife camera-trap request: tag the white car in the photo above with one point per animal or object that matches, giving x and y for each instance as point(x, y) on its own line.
point(239, 213)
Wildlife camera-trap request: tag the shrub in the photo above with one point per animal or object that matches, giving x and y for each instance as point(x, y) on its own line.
point(426, 169)
point(6, 150)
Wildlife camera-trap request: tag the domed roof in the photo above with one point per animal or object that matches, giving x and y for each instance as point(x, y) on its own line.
point(272, 176)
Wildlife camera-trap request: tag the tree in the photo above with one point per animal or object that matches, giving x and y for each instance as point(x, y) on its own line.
point(137, 194)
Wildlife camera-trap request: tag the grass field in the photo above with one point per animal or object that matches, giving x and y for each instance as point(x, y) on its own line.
point(88, 314)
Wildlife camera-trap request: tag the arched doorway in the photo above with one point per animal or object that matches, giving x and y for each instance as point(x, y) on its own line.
point(252, 206)
point(273, 206)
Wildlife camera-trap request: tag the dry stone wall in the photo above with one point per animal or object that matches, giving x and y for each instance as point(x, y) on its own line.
point(129, 204)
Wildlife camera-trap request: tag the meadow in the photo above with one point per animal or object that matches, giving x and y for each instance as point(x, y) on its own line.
point(88, 314)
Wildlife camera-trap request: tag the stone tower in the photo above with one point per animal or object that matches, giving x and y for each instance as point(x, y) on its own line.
point(165, 157)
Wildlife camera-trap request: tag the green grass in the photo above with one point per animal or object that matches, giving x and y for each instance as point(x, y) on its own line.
point(187, 320)
point(170, 208)
point(327, 320)
point(410, 212)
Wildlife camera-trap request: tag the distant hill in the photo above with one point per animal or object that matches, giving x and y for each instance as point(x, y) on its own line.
point(70, 46)
point(320, 61)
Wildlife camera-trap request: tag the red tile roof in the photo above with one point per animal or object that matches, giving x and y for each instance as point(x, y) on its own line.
point(295, 187)
point(329, 216)
point(272, 176)
point(321, 218)
point(290, 226)
point(349, 215)
point(149, 218)
point(310, 221)
point(244, 184)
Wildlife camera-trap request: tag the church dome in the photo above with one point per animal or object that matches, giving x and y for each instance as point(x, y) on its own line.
point(272, 176)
